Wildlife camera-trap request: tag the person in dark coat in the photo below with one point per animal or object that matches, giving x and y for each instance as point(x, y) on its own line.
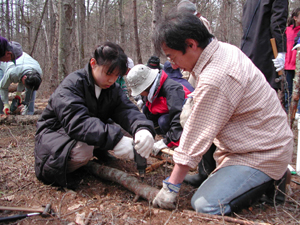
point(74, 126)
point(261, 21)
point(176, 75)
point(165, 99)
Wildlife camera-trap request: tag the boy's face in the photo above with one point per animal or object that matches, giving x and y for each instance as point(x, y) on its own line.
point(102, 79)
point(144, 93)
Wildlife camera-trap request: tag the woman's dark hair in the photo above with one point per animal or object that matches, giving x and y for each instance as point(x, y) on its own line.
point(291, 20)
point(176, 28)
point(111, 55)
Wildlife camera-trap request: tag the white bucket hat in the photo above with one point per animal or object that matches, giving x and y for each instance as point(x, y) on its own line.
point(130, 63)
point(140, 77)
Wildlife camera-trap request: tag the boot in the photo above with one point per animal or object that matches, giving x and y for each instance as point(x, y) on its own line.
point(248, 198)
point(273, 194)
point(205, 167)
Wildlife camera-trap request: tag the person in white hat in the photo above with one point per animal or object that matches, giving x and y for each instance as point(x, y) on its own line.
point(165, 98)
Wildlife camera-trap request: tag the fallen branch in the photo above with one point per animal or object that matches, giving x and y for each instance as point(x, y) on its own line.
point(221, 218)
point(154, 166)
point(131, 183)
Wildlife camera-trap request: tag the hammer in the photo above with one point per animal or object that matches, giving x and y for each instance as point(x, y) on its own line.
point(43, 211)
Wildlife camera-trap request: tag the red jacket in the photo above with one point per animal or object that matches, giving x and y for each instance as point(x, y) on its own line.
point(290, 57)
point(168, 98)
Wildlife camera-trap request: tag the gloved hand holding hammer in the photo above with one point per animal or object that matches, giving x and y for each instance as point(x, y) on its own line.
point(143, 142)
point(16, 102)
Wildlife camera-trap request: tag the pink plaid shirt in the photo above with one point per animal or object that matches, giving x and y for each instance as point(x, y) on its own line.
point(237, 109)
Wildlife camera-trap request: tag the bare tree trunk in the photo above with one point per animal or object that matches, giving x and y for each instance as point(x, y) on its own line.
point(80, 6)
point(122, 24)
point(65, 30)
point(156, 17)
point(7, 20)
point(53, 39)
point(137, 41)
point(39, 27)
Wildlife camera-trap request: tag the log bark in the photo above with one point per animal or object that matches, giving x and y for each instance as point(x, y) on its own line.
point(129, 182)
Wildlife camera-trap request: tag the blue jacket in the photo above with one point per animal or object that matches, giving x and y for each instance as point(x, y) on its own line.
point(177, 76)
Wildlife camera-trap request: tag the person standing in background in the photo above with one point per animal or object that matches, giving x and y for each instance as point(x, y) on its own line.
point(261, 21)
point(9, 51)
point(185, 6)
point(293, 27)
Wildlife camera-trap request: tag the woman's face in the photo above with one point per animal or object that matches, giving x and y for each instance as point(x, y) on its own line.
point(102, 79)
point(297, 19)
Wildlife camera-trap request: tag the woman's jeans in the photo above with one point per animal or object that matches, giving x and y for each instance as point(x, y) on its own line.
point(221, 187)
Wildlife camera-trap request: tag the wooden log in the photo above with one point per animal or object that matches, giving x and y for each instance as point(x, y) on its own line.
point(129, 182)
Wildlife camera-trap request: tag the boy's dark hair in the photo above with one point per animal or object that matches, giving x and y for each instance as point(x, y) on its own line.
point(3, 46)
point(111, 55)
point(176, 28)
point(153, 62)
point(33, 80)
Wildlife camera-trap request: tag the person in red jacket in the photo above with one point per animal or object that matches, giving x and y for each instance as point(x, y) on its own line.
point(290, 58)
point(165, 98)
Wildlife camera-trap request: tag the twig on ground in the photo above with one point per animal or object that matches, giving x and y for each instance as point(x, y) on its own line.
point(291, 216)
point(87, 220)
point(287, 195)
point(225, 218)
point(295, 182)
point(170, 216)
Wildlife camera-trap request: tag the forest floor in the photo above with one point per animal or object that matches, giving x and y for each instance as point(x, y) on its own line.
point(98, 201)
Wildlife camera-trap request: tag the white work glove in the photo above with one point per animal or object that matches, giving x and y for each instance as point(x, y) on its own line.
point(124, 149)
point(166, 197)
point(279, 61)
point(140, 103)
point(143, 143)
point(159, 145)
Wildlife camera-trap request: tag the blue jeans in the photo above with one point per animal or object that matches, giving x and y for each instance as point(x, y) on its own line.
point(30, 98)
point(161, 121)
point(290, 74)
point(221, 187)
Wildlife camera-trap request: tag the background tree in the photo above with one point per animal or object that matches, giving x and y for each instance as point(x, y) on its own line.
point(63, 42)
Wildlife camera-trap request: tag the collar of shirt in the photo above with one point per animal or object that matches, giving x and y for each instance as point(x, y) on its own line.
point(205, 57)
